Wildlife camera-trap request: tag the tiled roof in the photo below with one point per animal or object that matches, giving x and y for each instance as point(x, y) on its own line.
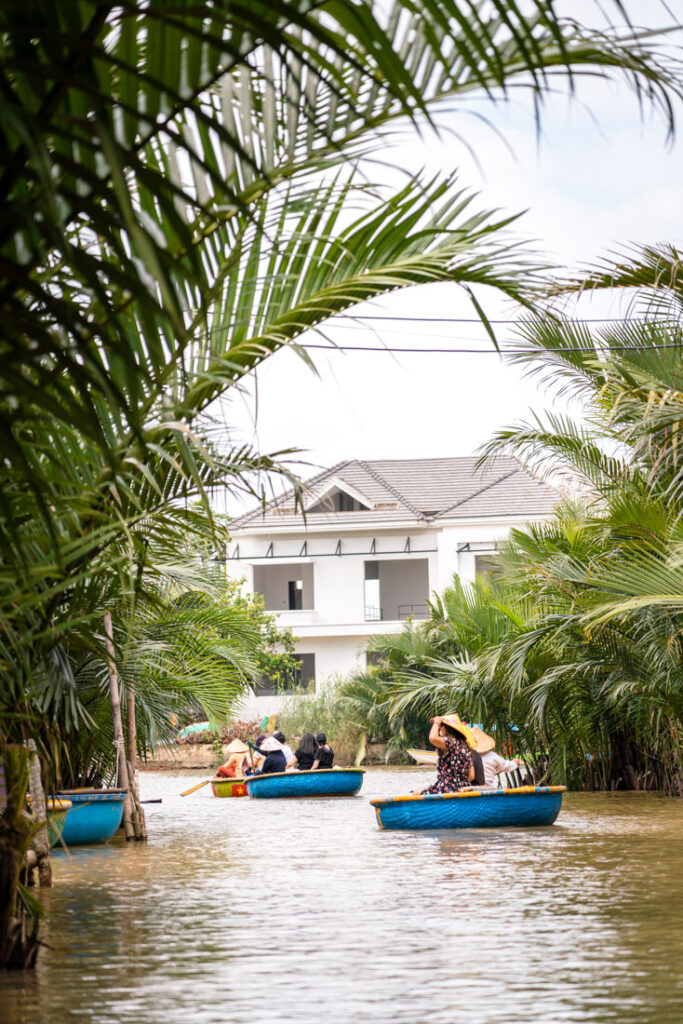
point(424, 490)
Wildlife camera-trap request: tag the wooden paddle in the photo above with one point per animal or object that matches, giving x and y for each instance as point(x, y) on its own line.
point(195, 788)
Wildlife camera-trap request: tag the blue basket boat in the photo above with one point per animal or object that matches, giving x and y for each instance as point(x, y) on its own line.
point(324, 782)
point(94, 816)
point(495, 808)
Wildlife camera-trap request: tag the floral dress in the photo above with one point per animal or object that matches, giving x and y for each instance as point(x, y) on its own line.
point(452, 767)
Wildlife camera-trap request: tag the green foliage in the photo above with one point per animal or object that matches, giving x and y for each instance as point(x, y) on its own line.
point(275, 658)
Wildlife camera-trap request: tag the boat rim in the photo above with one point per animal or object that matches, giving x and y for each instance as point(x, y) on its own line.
point(516, 791)
point(295, 773)
point(90, 791)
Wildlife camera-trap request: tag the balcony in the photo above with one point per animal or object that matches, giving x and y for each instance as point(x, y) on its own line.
point(396, 589)
point(285, 588)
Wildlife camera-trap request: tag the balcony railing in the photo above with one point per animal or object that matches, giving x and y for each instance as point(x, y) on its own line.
point(373, 613)
point(412, 611)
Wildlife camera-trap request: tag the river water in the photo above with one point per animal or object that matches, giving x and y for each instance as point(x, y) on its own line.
point(239, 911)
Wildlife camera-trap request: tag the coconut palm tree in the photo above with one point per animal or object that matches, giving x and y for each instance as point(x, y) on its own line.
point(176, 204)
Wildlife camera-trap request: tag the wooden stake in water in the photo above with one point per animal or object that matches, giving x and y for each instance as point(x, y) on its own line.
point(119, 743)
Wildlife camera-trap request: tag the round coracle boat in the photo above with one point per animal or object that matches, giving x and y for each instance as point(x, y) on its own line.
point(323, 782)
point(525, 806)
point(94, 817)
point(223, 787)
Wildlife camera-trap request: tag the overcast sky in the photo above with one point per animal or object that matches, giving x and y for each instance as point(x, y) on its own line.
point(587, 187)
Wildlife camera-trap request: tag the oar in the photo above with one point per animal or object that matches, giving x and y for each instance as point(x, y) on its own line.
point(195, 788)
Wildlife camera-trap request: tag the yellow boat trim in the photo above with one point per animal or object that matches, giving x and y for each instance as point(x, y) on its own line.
point(492, 793)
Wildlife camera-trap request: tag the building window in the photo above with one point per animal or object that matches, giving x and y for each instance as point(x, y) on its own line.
point(295, 590)
point(487, 565)
point(301, 679)
point(373, 608)
point(305, 674)
point(339, 501)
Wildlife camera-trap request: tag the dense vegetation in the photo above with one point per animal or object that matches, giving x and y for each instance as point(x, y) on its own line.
point(573, 651)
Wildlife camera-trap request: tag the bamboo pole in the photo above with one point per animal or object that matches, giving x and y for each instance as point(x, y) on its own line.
point(39, 810)
point(118, 728)
point(132, 736)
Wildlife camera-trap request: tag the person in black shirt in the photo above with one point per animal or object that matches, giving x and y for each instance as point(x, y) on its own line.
point(324, 755)
point(275, 760)
point(304, 755)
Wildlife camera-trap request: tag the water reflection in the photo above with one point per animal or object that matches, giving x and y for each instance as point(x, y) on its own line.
point(238, 909)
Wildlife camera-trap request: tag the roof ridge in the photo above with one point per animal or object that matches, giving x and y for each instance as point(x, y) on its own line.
point(481, 490)
point(392, 490)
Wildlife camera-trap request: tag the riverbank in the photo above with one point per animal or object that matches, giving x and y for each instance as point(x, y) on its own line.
point(574, 923)
point(181, 756)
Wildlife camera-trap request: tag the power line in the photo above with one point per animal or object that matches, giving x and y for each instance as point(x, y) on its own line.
point(483, 351)
point(514, 320)
point(360, 318)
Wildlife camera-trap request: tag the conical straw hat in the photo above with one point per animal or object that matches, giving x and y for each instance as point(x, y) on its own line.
point(483, 742)
point(456, 723)
point(237, 747)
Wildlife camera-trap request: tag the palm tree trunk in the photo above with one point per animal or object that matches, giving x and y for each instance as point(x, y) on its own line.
point(39, 811)
point(18, 925)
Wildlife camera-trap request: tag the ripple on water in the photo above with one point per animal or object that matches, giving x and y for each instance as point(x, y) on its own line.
point(280, 910)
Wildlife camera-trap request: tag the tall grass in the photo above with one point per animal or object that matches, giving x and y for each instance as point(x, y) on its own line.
point(322, 712)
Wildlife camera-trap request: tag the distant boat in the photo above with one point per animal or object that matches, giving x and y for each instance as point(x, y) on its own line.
point(323, 782)
point(495, 808)
point(94, 817)
point(228, 787)
point(424, 756)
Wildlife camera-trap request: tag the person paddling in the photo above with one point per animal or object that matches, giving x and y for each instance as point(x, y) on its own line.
point(275, 760)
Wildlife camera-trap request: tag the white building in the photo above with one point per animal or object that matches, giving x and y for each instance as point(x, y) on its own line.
point(374, 540)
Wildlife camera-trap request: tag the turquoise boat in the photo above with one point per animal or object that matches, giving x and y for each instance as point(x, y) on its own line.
point(94, 816)
point(525, 806)
point(324, 782)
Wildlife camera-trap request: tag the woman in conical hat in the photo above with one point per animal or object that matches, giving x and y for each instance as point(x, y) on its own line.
point(454, 768)
point(493, 763)
point(234, 766)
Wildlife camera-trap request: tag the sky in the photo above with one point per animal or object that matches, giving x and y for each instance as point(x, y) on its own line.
point(599, 178)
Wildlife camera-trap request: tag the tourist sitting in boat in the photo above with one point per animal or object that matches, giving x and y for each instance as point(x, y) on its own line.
point(454, 768)
point(275, 760)
point(238, 763)
point(286, 749)
point(324, 755)
point(493, 763)
point(304, 755)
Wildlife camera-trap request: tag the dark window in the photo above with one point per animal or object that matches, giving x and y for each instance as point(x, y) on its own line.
point(305, 674)
point(374, 658)
point(339, 501)
point(295, 590)
point(487, 565)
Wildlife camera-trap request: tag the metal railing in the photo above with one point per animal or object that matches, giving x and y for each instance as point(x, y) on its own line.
point(412, 611)
point(373, 613)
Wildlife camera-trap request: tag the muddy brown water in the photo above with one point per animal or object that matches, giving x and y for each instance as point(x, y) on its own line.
point(239, 911)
